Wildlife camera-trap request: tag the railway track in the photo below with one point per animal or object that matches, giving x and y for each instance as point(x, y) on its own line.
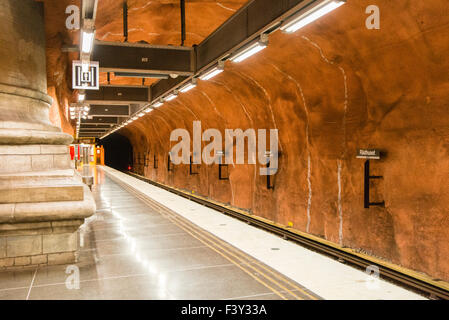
point(404, 277)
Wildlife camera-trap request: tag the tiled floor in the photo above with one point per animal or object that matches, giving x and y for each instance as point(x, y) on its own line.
point(131, 249)
point(320, 274)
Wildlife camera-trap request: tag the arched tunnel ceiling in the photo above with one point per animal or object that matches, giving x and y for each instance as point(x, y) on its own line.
point(329, 88)
point(153, 22)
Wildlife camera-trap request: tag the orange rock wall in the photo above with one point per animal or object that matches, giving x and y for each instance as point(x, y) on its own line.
point(329, 89)
point(59, 64)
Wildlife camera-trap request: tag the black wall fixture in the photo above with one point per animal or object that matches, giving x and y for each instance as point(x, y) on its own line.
point(270, 178)
point(368, 177)
point(139, 158)
point(169, 163)
point(142, 162)
point(192, 167)
point(223, 173)
point(373, 154)
point(147, 159)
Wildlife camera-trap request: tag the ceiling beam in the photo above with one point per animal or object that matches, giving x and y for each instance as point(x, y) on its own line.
point(118, 95)
point(242, 28)
point(100, 120)
point(144, 58)
point(84, 135)
point(93, 129)
point(94, 126)
point(109, 110)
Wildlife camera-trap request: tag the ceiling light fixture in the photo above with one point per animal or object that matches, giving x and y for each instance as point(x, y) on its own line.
point(309, 14)
point(171, 96)
point(158, 104)
point(213, 71)
point(189, 86)
point(251, 49)
point(87, 41)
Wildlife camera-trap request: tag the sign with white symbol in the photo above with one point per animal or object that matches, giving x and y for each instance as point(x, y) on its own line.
point(368, 154)
point(86, 75)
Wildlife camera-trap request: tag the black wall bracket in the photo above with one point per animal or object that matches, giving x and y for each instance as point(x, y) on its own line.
point(169, 166)
point(221, 176)
point(368, 177)
point(220, 155)
point(147, 159)
point(140, 159)
point(155, 162)
point(191, 171)
point(270, 182)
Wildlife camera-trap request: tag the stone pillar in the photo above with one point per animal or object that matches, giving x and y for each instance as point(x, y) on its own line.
point(42, 200)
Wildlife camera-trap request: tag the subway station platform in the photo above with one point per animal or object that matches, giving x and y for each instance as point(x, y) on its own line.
point(146, 243)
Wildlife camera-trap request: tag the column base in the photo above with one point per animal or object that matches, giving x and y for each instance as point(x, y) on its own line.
point(43, 202)
point(39, 244)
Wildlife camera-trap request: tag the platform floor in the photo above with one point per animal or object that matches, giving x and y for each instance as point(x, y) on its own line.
point(152, 244)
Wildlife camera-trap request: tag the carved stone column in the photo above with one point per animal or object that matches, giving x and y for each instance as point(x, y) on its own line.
point(42, 201)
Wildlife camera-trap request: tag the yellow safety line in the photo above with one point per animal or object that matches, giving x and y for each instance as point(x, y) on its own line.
point(248, 265)
point(217, 242)
point(235, 263)
point(224, 256)
point(145, 199)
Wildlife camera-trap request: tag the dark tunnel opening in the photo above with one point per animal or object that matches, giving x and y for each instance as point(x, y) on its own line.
point(118, 152)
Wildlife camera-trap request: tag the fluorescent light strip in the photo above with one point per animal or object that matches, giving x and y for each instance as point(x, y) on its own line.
point(88, 42)
point(158, 104)
point(188, 87)
point(171, 97)
point(316, 12)
point(248, 52)
point(210, 74)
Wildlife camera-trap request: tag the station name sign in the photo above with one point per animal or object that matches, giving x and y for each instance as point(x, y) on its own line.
point(368, 154)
